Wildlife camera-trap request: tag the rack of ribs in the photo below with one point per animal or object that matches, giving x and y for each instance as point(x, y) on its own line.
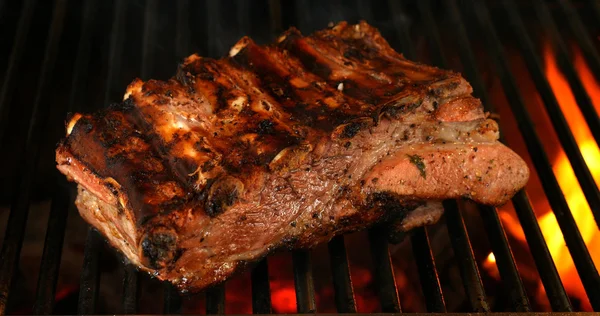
point(281, 146)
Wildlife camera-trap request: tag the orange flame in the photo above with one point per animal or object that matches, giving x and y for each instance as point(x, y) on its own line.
point(566, 177)
point(567, 181)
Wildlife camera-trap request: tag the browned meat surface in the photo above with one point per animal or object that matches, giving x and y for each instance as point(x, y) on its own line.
point(277, 146)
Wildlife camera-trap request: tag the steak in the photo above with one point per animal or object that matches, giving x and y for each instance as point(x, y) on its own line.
point(281, 146)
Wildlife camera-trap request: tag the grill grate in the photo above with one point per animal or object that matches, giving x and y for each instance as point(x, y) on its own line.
point(266, 19)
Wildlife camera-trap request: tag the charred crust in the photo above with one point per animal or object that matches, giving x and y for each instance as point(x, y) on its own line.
point(222, 194)
point(220, 95)
point(266, 127)
point(159, 248)
point(87, 125)
point(351, 129)
point(172, 205)
point(353, 53)
point(396, 236)
point(208, 166)
point(183, 76)
point(391, 204)
point(395, 111)
point(205, 74)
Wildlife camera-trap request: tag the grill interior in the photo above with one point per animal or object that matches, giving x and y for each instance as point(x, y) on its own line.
point(64, 56)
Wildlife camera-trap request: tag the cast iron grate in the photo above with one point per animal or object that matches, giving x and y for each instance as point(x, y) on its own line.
point(203, 30)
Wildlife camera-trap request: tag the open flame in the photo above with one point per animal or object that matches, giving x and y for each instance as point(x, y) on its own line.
point(567, 181)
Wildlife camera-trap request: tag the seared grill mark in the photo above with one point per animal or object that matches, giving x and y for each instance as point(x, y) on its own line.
point(376, 61)
point(275, 81)
point(294, 43)
point(354, 79)
point(115, 148)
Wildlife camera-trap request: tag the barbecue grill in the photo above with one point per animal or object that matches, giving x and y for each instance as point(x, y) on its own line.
point(63, 56)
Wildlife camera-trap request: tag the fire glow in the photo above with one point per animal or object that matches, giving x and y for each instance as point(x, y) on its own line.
point(567, 181)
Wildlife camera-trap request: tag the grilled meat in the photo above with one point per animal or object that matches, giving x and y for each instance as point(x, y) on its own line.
point(285, 145)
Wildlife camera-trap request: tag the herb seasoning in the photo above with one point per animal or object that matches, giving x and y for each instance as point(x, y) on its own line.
point(418, 162)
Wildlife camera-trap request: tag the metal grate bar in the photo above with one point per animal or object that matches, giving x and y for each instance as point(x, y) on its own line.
point(432, 33)
point(116, 50)
point(461, 244)
point(365, 7)
point(384, 273)
point(428, 275)
point(504, 259)
point(171, 297)
point(430, 282)
point(150, 17)
point(562, 54)
point(131, 277)
point(49, 268)
point(340, 271)
point(243, 16)
point(90, 275)
point(584, 176)
point(275, 14)
point(82, 58)
point(303, 280)
point(541, 255)
point(183, 29)
point(596, 8)
point(385, 280)
point(261, 291)
point(212, 26)
point(582, 36)
point(16, 54)
point(61, 200)
point(579, 252)
point(303, 21)
point(465, 258)
point(468, 59)
point(130, 289)
point(15, 230)
point(405, 41)
point(215, 299)
point(506, 263)
point(172, 300)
